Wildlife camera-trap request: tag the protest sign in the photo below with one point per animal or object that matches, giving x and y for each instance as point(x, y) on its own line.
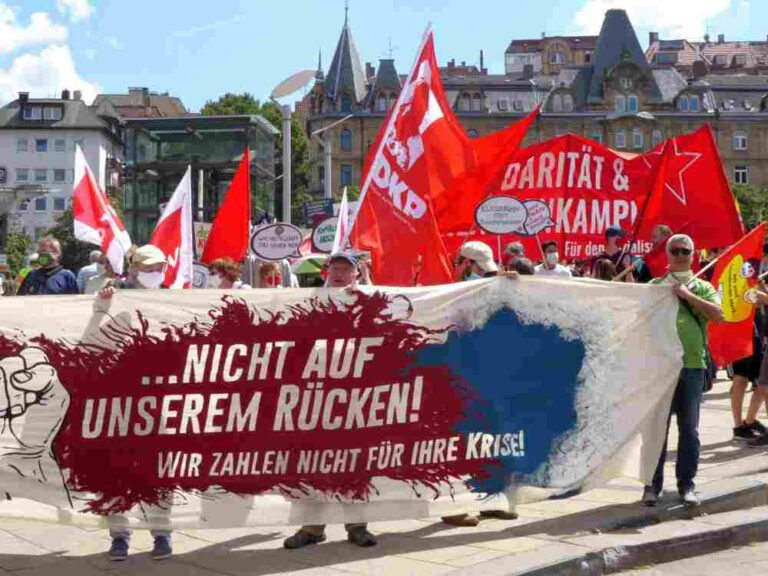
point(276, 241)
point(202, 230)
point(199, 276)
point(323, 235)
point(312, 406)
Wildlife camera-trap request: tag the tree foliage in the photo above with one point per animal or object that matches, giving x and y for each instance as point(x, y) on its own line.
point(238, 104)
point(74, 253)
point(16, 247)
point(753, 203)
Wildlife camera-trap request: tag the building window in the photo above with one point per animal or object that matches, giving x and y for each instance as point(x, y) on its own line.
point(656, 138)
point(346, 139)
point(637, 138)
point(60, 145)
point(33, 113)
point(720, 59)
point(518, 105)
point(41, 204)
point(620, 103)
point(740, 60)
point(465, 102)
point(632, 103)
point(741, 174)
point(621, 139)
point(694, 103)
point(740, 140)
point(23, 206)
point(682, 103)
point(567, 103)
point(626, 83)
point(78, 142)
point(41, 175)
point(557, 58)
point(597, 137)
point(22, 174)
point(346, 174)
point(382, 103)
point(59, 204)
point(666, 58)
point(346, 103)
point(22, 145)
point(587, 57)
point(321, 175)
point(59, 175)
point(476, 103)
point(41, 145)
point(557, 103)
point(51, 113)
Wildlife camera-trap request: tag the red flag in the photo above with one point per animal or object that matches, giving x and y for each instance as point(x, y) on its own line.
point(95, 220)
point(421, 149)
point(231, 228)
point(735, 277)
point(692, 192)
point(173, 235)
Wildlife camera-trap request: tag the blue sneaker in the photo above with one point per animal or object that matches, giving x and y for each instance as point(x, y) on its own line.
point(162, 548)
point(119, 550)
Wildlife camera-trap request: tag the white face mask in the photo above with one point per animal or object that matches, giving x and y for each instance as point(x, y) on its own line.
point(150, 280)
point(552, 258)
point(214, 281)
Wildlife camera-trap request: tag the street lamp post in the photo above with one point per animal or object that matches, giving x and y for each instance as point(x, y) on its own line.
point(286, 163)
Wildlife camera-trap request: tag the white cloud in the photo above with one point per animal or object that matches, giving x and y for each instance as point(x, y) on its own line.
point(673, 19)
point(89, 53)
point(44, 74)
point(78, 9)
point(114, 42)
point(40, 30)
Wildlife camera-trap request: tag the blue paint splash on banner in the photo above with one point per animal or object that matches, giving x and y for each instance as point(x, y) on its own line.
point(525, 377)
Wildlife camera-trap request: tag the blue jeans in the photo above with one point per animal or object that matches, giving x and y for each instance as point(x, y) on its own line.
point(685, 404)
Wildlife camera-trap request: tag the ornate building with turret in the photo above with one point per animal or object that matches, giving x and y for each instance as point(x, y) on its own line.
point(605, 88)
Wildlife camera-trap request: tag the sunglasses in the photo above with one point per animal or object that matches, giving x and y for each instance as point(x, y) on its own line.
point(680, 251)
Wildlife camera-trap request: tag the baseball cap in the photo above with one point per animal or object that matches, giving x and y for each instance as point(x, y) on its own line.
point(148, 255)
point(614, 231)
point(345, 256)
point(481, 253)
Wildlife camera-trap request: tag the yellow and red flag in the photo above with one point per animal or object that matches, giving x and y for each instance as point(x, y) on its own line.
point(735, 279)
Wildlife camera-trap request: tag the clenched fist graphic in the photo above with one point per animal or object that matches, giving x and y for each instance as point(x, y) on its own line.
point(33, 403)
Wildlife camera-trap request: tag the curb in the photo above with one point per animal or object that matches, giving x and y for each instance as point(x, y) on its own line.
point(618, 558)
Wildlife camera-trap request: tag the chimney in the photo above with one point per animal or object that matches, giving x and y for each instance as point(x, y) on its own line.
point(653, 37)
point(78, 95)
point(65, 94)
point(139, 96)
point(452, 63)
point(370, 71)
point(482, 62)
point(706, 38)
point(543, 35)
point(721, 38)
point(23, 97)
point(528, 71)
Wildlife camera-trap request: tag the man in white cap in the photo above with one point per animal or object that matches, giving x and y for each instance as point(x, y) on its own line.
point(475, 262)
point(87, 272)
point(146, 272)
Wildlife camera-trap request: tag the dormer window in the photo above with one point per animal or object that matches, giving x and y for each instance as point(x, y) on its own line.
point(720, 60)
point(626, 83)
point(382, 103)
point(562, 102)
point(557, 58)
point(682, 103)
point(694, 103)
point(740, 60)
point(346, 103)
point(52, 113)
point(33, 113)
point(620, 103)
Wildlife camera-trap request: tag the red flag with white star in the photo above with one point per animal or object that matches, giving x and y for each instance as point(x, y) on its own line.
point(692, 192)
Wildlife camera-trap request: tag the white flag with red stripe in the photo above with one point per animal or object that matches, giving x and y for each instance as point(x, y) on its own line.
point(95, 220)
point(340, 240)
point(173, 235)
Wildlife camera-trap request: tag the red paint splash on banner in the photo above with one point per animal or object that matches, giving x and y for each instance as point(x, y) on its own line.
point(120, 458)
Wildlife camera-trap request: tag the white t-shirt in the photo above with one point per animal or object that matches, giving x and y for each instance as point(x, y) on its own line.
point(558, 270)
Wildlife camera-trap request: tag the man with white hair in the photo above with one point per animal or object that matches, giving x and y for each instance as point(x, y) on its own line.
point(698, 305)
point(89, 271)
point(50, 277)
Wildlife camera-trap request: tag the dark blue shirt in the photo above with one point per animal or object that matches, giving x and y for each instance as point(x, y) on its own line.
point(49, 281)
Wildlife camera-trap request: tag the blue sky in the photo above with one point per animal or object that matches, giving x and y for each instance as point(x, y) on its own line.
point(198, 49)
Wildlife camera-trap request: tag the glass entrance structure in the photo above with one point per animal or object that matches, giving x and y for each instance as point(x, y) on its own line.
point(158, 151)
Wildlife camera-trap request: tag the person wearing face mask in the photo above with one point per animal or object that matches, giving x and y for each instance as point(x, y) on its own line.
point(551, 265)
point(146, 272)
point(87, 272)
point(224, 274)
point(50, 277)
point(697, 306)
point(475, 262)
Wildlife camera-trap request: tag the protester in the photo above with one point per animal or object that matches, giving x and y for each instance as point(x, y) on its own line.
point(50, 277)
point(269, 275)
point(612, 250)
point(31, 264)
point(746, 370)
point(659, 236)
point(105, 275)
point(225, 273)
point(522, 266)
point(87, 272)
point(698, 305)
point(604, 270)
point(475, 262)
point(551, 265)
point(146, 271)
point(712, 255)
point(579, 268)
point(512, 252)
point(342, 273)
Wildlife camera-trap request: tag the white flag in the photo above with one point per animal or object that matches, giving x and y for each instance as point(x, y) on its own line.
point(174, 236)
point(341, 239)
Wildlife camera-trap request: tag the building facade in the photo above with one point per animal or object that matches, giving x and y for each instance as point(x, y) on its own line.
point(37, 151)
point(604, 87)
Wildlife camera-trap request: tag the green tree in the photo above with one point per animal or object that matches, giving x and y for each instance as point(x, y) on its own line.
point(753, 203)
point(74, 253)
point(16, 247)
point(233, 104)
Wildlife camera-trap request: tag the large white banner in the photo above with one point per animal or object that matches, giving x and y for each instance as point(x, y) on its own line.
point(208, 408)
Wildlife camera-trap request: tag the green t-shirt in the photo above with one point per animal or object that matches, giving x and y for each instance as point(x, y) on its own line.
point(692, 326)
